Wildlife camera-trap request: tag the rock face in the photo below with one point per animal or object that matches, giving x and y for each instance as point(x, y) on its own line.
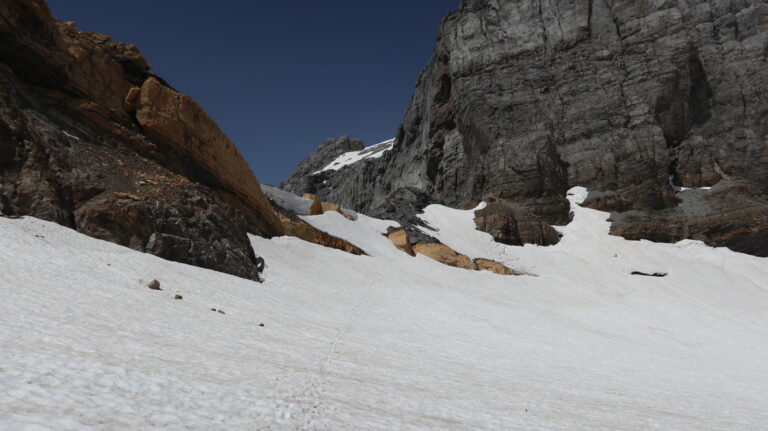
point(508, 226)
point(399, 238)
point(522, 100)
point(90, 139)
point(301, 181)
point(174, 120)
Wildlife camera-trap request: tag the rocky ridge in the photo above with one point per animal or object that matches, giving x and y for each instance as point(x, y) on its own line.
point(91, 139)
point(634, 100)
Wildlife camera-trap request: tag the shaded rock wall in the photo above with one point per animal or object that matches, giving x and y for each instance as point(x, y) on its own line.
point(522, 100)
point(303, 179)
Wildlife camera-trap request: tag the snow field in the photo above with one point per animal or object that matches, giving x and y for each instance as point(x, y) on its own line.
point(385, 341)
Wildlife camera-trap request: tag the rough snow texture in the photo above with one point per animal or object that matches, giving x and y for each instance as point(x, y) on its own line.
point(385, 341)
point(348, 158)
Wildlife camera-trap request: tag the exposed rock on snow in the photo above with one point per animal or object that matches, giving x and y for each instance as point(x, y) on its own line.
point(655, 274)
point(317, 206)
point(509, 225)
point(293, 225)
point(444, 254)
point(399, 238)
point(492, 266)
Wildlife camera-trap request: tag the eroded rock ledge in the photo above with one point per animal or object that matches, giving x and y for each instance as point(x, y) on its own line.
point(90, 139)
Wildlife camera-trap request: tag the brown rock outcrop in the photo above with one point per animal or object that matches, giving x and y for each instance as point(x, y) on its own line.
point(493, 266)
point(294, 226)
point(399, 238)
point(329, 207)
point(82, 118)
point(447, 256)
point(714, 216)
point(507, 227)
point(444, 254)
point(317, 206)
point(173, 119)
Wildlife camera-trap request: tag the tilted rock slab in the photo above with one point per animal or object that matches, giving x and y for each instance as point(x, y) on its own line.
point(90, 139)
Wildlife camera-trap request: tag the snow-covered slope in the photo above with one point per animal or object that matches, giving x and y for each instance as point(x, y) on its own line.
point(372, 152)
point(384, 341)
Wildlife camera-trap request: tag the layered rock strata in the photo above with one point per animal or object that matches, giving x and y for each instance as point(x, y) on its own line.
point(90, 139)
point(522, 100)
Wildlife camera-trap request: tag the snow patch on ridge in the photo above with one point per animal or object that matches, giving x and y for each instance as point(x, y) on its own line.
point(681, 188)
point(350, 157)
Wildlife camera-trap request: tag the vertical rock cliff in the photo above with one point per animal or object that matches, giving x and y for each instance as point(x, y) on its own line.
point(658, 107)
point(90, 139)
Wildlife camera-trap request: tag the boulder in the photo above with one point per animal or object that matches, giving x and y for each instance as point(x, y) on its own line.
point(493, 266)
point(399, 238)
point(317, 206)
point(506, 227)
point(329, 207)
point(444, 254)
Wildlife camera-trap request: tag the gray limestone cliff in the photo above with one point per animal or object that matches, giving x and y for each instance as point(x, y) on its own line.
point(635, 100)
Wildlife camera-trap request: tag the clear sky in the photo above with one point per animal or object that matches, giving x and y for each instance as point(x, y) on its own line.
point(280, 76)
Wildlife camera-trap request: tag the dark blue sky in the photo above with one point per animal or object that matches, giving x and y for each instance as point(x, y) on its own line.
point(280, 76)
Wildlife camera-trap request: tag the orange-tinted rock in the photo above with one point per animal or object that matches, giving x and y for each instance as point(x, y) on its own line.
point(174, 119)
point(317, 207)
point(131, 103)
point(444, 254)
point(303, 230)
point(69, 139)
point(400, 239)
point(492, 266)
point(131, 196)
point(329, 207)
